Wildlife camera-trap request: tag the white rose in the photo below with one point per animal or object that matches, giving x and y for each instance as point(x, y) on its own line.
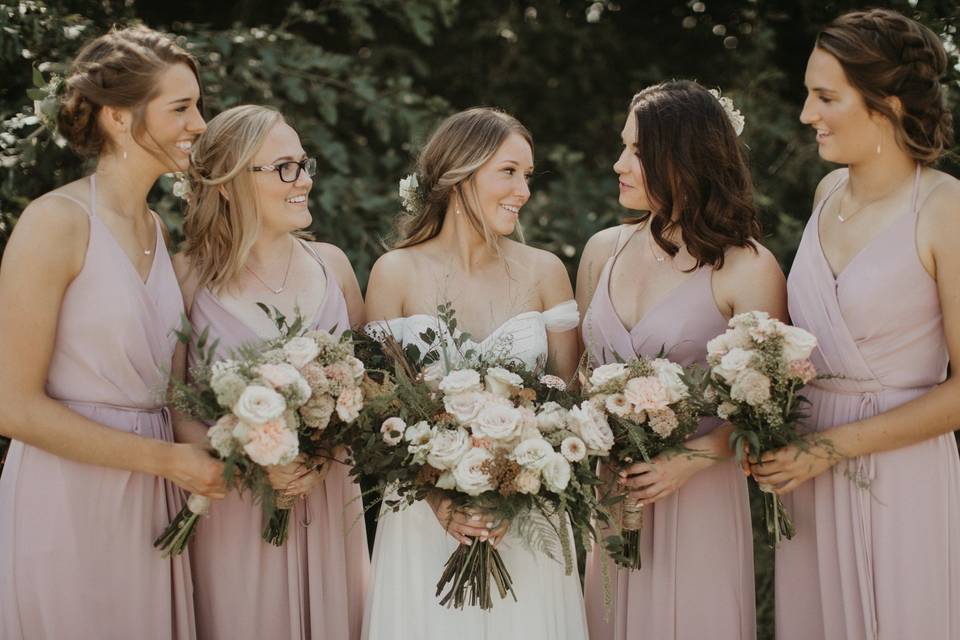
point(551, 417)
point(258, 404)
point(797, 343)
point(607, 373)
point(670, 375)
point(502, 382)
point(468, 474)
point(461, 381)
point(533, 453)
point(556, 473)
point(392, 430)
point(498, 422)
point(732, 363)
point(573, 449)
point(447, 448)
point(300, 350)
point(527, 482)
point(593, 428)
point(464, 406)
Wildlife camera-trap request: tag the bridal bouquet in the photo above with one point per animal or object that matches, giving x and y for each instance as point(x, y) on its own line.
point(757, 368)
point(271, 403)
point(651, 410)
point(494, 438)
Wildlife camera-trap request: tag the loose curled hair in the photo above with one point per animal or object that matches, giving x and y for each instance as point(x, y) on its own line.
point(219, 231)
point(884, 54)
point(695, 172)
point(118, 69)
point(462, 144)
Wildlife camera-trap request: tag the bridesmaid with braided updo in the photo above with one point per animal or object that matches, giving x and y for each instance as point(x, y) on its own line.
point(876, 497)
point(90, 304)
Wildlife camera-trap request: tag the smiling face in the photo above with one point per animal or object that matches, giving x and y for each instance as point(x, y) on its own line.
point(282, 205)
point(172, 119)
point(501, 185)
point(847, 132)
point(633, 192)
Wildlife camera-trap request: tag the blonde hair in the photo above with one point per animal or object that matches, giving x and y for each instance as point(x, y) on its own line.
point(222, 220)
point(462, 144)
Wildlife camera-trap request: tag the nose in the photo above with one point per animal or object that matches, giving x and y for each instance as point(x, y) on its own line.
point(620, 166)
point(524, 188)
point(196, 123)
point(809, 115)
point(304, 180)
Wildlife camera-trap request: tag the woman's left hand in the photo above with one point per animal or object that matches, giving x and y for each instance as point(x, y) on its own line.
point(662, 477)
point(787, 468)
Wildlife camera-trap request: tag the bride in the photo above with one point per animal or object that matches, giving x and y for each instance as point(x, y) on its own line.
point(515, 302)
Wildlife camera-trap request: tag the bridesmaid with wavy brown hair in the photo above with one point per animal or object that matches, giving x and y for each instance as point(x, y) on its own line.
point(668, 280)
point(876, 502)
point(90, 305)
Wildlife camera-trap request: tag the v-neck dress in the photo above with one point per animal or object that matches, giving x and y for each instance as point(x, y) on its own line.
point(697, 575)
point(76, 559)
point(312, 586)
point(884, 561)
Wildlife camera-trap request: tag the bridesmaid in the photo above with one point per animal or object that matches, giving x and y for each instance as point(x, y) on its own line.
point(877, 507)
point(251, 181)
point(90, 300)
point(669, 279)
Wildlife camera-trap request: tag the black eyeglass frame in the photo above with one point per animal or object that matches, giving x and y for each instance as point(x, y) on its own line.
point(307, 164)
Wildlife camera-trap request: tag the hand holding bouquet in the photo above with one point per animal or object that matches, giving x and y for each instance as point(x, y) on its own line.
point(651, 410)
point(757, 368)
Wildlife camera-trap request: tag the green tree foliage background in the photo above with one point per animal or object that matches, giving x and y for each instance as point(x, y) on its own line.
point(363, 81)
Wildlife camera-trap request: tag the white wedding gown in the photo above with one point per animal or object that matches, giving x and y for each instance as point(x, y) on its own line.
point(411, 546)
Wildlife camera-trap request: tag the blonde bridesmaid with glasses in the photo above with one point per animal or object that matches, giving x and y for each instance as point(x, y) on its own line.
point(877, 279)
point(89, 305)
point(669, 279)
point(251, 181)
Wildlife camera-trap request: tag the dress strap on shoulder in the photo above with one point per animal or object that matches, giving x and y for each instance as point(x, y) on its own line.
point(562, 317)
point(619, 247)
point(88, 208)
point(915, 198)
point(316, 256)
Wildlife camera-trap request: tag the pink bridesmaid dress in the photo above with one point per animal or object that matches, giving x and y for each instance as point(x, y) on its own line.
point(881, 561)
point(312, 586)
point(76, 559)
point(697, 548)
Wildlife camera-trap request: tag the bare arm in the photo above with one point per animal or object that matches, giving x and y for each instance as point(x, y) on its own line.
point(343, 271)
point(554, 288)
point(595, 254)
point(44, 255)
point(386, 288)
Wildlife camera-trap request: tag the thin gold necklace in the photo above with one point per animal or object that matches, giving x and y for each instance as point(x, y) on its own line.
point(286, 273)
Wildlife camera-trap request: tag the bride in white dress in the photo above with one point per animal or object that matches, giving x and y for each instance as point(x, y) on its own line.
point(515, 302)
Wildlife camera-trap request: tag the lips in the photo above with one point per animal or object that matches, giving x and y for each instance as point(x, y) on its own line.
point(512, 209)
point(298, 199)
point(185, 146)
point(822, 135)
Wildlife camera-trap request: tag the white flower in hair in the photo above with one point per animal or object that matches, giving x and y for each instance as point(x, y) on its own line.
point(409, 192)
point(736, 118)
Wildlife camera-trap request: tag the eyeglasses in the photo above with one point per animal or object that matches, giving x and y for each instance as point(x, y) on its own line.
point(290, 171)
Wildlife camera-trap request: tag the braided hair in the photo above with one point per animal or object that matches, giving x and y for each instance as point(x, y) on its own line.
point(884, 54)
point(118, 69)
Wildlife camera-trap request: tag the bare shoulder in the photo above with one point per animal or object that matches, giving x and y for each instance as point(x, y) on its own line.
point(751, 279)
point(334, 257)
point(603, 243)
point(942, 201)
point(827, 183)
point(757, 259)
point(51, 231)
point(540, 261)
point(393, 269)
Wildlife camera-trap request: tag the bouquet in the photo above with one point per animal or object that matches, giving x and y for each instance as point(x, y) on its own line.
point(492, 437)
point(271, 402)
point(651, 410)
point(757, 368)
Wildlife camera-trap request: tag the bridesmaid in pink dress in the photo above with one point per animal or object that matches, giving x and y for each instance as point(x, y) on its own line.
point(877, 511)
point(235, 257)
point(90, 301)
point(669, 280)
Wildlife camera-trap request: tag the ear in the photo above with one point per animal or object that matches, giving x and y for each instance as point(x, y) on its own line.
point(115, 120)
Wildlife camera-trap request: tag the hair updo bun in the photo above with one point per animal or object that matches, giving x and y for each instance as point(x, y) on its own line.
point(118, 69)
point(883, 54)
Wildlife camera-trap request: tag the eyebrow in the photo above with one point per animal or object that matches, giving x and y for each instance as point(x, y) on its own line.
point(183, 100)
point(822, 90)
point(513, 162)
point(289, 158)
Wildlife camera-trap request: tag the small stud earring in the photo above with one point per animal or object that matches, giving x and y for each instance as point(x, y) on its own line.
point(125, 154)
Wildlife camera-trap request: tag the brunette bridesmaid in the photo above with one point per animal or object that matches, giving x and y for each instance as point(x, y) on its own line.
point(877, 504)
point(90, 302)
point(669, 279)
point(251, 181)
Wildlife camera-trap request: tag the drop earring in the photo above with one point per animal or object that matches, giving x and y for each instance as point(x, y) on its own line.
point(878, 145)
point(125, 153)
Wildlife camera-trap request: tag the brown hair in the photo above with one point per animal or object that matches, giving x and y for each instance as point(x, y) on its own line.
point(462, 144)
point(222, 220)
point(118, 69)
point(695, 172)
point(886, 54)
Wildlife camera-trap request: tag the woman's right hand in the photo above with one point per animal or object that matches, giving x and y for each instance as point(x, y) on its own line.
point(196, 471)
point(465, 524)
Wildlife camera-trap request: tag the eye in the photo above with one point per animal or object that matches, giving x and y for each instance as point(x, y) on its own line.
point(510, 170)
point(825, 100)
point(182, 109)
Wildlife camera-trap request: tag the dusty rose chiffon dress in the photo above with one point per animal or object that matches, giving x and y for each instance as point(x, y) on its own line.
point(882, 562)
point(76, 559)
point(697, 575)
point(313, 586)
